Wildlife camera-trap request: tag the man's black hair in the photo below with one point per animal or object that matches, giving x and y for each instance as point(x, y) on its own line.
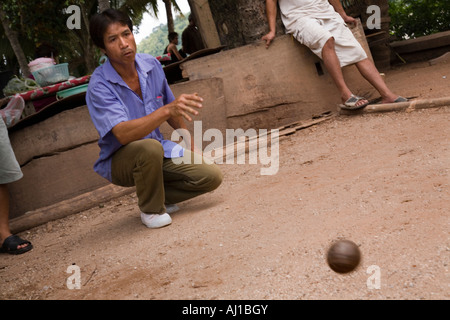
point(99, 23)
point(172, 35)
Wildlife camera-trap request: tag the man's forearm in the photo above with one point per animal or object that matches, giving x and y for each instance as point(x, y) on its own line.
point(137, 129)
point(177, 123)
point(271, 11)
point(337, 5)
point(173, 112)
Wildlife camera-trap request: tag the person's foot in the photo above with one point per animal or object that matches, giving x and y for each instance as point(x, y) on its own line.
point(13, 244)
point(154, 221)
point(354, 103)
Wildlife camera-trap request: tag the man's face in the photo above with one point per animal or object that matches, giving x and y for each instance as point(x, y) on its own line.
point(120, 45)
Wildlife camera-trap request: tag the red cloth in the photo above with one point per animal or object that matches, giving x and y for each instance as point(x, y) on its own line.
point(52, 89)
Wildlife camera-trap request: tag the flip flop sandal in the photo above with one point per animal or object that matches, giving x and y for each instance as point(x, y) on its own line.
point(400, 99)
point(12, 242)
point(351, 102)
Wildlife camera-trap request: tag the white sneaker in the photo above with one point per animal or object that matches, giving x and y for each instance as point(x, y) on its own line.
point(154, 221)
point(171, 208)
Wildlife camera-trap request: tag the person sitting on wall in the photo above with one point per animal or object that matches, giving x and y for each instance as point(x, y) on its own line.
point(321, 25)
point(175, 54)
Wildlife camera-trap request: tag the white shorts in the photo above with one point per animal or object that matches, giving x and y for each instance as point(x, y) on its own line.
point(314, 33)
point(9, 167)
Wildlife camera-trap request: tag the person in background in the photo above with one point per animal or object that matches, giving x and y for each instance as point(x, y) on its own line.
point(172, 48)
point(191, 38)
point(46, 50)
point(321, 25)
point(9, 172)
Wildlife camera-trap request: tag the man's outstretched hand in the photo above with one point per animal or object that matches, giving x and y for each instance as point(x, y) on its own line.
point(185, 105)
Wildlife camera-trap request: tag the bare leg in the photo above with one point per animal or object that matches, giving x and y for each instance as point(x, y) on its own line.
point(333, 66)
point(371, 74)
point(4, 213)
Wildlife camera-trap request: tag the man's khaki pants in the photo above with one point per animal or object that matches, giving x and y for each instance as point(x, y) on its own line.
point(159, 180)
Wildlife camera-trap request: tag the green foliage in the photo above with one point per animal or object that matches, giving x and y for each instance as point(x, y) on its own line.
point(34, 21)
point(157, 41)
point(415, 18)
point(38, 21)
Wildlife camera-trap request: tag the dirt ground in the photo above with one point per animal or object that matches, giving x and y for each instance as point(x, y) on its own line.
point(380, 180)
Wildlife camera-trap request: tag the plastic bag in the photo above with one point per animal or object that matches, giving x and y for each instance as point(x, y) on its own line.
point(16, 85)
point(41, 63)
point(13, 111)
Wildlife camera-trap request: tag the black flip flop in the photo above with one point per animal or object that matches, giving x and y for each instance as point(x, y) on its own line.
point(12, 242)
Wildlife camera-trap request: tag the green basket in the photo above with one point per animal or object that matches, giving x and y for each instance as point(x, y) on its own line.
point(51, 75)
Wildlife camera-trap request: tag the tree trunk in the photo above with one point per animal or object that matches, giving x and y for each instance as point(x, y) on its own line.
point(103, 5)
point(87, 45)
point(170, 23)
point(240, 22)
point(15, 44)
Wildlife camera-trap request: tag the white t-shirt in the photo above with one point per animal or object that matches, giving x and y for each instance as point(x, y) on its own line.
point(292, 10)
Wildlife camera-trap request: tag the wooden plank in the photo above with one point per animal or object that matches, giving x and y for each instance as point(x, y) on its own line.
point(205, 23)
point(400, 106)
point(369, 36)
point(231, 150)
point(67, 207)
point(436, 40)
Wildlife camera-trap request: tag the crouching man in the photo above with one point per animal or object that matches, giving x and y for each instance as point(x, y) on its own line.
point(128, 99)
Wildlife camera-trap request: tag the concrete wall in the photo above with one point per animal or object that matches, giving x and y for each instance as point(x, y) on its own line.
point(56, 157)
point(268, 88)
